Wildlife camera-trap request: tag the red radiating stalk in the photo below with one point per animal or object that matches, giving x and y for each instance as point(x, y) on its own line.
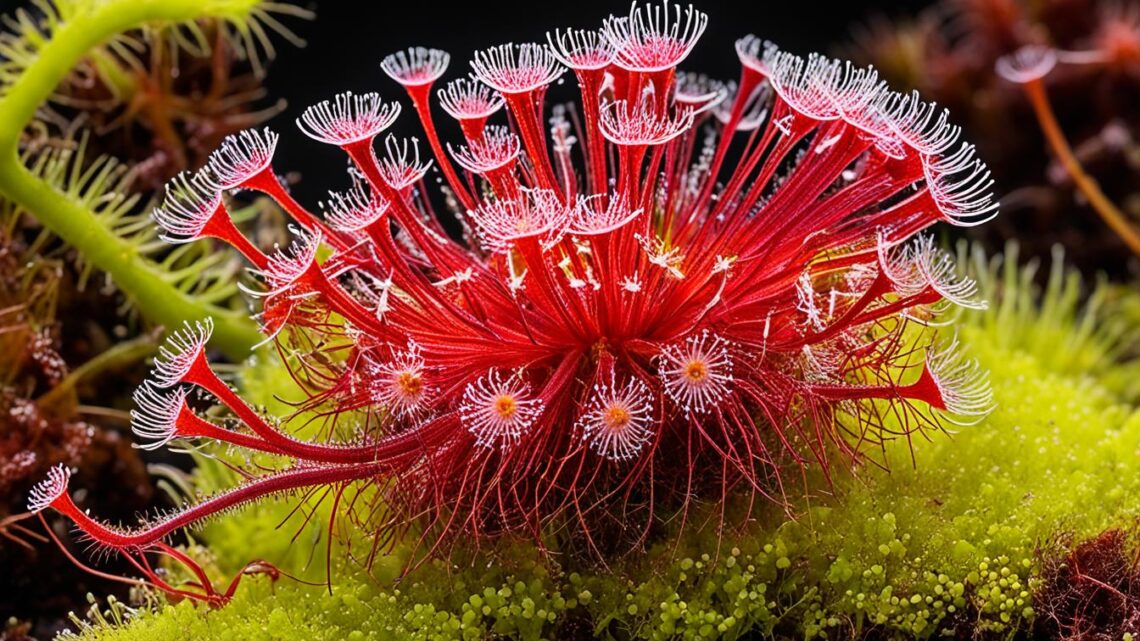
point(222, 227)
point(590, 84)
point(420, 100)
point(266, 182)
point(749, 81)
point(527, 111)
point(282, 482)
point(584, 356)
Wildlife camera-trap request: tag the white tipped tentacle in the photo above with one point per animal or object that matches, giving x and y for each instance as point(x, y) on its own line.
point(654, 37)
point(398, 384)
point(285, 266)
point(616, 423)
point(857, 93)
point(581, 49)
point(348, 118)
point(940, 271)
point(960, 185)
point(1027, 64)
point(962, 384)
point(801, 83)
point(401, 166)
point(497, 410)
point(853, 90)
point(700, 92)
point(353, 210)
point(750, 50)
point(921, 124)
point(155, 417)
point(756, 107)
point(697, 373)
point(897, 263)
point(182, 349)
point(191, 201)
point(514, 69)
point(416, 66)
point(241, 156)
point(44, 493)
point(468, 99)
point(498, 148)
point(920, 265)
point(587, 220)
point(642, 123)
point(826, 89)
point(539, 213)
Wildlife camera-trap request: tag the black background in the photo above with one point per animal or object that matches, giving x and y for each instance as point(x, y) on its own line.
point(347, 40)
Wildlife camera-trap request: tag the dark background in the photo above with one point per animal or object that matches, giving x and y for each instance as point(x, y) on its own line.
point(348, 39)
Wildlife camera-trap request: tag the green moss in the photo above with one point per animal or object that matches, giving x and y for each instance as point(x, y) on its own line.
point(950, 540)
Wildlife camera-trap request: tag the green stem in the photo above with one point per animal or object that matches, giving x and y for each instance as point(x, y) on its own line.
point(124, 86)
point(139, 278)
point(121, 354)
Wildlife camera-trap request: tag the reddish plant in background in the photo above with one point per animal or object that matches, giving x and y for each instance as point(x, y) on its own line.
point(48, 417)
point(163, 99)
point(721, 290)
point(1028, 66)
point(1091, 593)
point(1079, 61)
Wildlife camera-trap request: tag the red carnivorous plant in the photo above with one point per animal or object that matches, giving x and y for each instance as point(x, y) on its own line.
point(675, 288)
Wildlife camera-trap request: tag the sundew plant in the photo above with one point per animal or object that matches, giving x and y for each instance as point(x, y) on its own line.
point(672, 290)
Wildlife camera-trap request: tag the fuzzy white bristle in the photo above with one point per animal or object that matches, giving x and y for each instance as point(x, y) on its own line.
point(581, 49)
point(516, 69)
point(498, 148)
point(401, 166)
point(962, 383)
point(191, 201)
point(654, 37)
point(416, 66)
point(348, 118)
point(539, 213)
point(155, 417)
point(182, 349)
point(617, 418)
point(49, 489)
point(241, 156)
point(697, 373)
point(468, 99)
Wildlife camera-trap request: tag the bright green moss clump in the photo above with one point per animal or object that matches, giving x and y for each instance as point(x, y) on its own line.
point(948, 544)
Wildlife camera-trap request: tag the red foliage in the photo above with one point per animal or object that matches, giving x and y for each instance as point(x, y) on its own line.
point(42, 424)
point(1093, 593)
point(162, 104)
point(706, 301)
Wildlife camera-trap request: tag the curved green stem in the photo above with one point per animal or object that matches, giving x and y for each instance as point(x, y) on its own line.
point(131, 351)
point(138, 277)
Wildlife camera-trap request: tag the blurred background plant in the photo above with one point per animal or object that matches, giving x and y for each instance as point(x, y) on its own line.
point(46, 417)
point(162, 100)
point(92, 127)
point(950, 53)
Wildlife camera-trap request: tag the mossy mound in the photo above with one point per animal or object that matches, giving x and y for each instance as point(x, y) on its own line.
point(947, 546)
